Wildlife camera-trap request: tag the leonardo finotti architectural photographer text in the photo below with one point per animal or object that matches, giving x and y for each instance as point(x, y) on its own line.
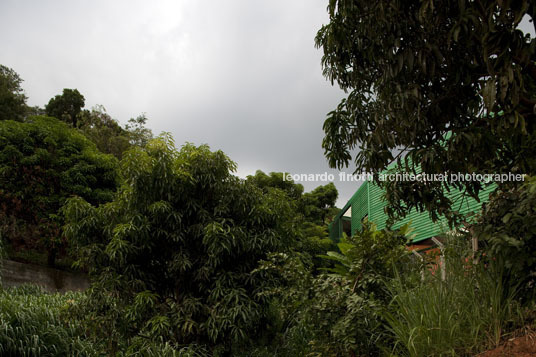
point(404, 176)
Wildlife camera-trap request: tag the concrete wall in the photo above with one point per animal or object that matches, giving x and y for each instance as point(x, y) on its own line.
point(53, 280)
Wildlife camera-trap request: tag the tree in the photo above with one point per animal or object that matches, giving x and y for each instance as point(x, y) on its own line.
point(314, 206)
point(43, 162)
point(319, 203)
point(67, 106)
point(277, 180)
point(139, 135)
point(106, 132)
point(341, 313)
point(443, 87)
point(12, 97)
point(99, 127)
point(173, 257)
point(507, 229)
point(313, 212)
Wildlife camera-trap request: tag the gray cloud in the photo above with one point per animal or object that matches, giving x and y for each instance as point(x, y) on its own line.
point(242, 76)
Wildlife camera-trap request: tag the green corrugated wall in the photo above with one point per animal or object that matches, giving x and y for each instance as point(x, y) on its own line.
point(359, 206)
point(368, 200)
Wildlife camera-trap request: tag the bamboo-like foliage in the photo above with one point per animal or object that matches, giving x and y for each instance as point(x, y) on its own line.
point(172, 257)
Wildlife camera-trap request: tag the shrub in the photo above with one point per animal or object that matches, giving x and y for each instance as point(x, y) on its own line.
point(348, 304)
point(339, 313)
point(507, 229)
point(173, 256)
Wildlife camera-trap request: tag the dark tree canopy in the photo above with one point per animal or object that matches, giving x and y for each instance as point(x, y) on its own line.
point(12, 97)
point(314, 206)
point(109, 136)
point(447, 87)
point(43, 162)
point(312, 211)
point(320, 203)
point(276, 180)
point(99, 127)
point(66, 106)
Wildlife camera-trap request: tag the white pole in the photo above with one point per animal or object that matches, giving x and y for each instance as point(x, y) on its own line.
point(441, 258)
point(422, 260)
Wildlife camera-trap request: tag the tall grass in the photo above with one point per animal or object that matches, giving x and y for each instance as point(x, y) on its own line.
point(36, 323)
point(32, 323)
point(469, 312)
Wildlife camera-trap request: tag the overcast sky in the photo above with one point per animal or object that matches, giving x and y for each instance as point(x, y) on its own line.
point(242, 76)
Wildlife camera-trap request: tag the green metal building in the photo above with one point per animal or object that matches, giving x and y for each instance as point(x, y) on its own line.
point(368, 202)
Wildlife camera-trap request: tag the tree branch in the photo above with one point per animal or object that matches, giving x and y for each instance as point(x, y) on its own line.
point(397, 156)
point(531, 69)
point(530, 104)
point(528, 66)
point(532, 13)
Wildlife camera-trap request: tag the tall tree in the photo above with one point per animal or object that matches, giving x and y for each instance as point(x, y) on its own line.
point(12, 97)
point(277, 180)
point(320, 202)
point(441, 86)
point(66, 106)
point(314, 206)
point(312, 211)
point(139, 134)
point(174, 256)
point(99, 127)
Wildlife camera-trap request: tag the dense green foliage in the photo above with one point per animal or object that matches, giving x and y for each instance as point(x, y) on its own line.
point(12, 97)
point(277, 180)
point(99, 127)
point(313, 211)
point(138, 133)
point(186, 259)
point(66, 106)
point(36, 323)
point(109, 136)
point(42, 163)
point(372, 304)
point(173, 255)
point(349, 303)
point(445, 87)
point(340, 313)
point(507, 226)
point(417, 70)
point(317, 206)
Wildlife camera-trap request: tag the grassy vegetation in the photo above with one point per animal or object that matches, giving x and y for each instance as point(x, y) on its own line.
point(472, 310)
point(33, 323)
point(36, 323)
